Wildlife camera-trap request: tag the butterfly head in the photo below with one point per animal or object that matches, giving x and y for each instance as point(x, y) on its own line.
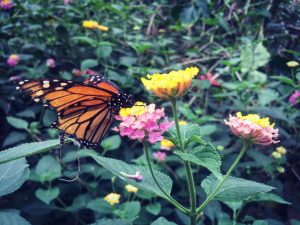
point(127, 100)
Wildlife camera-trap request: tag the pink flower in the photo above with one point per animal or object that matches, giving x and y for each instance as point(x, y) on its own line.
point(295, 98)
point(68, 2)
point(13, 60)
point(252, 128)
point(160, 156)
point(212, 79)
point(143, 123)
point(51, 63)
point(6, 4)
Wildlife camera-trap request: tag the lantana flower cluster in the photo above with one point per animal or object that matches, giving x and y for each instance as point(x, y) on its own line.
point(91, 24)
point(172, 84)
point(252, 128)
point(13, 60)
point(143, 122)
point(6, 4)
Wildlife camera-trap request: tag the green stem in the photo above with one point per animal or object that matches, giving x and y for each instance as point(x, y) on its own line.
point(167, 196)
point(191, 183)
point(293, 76)
point(211, 196)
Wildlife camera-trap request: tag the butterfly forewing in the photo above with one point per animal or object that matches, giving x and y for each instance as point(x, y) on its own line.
point(84, 110)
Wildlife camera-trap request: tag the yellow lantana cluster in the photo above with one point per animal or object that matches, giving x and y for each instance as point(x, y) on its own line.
point(165, 144)
point(254, 118)
point(292, 64)
point(279, 152)
point(170, 85)
point(112, 198)
point(139, 108)
point(131, 188)
point(91, 24)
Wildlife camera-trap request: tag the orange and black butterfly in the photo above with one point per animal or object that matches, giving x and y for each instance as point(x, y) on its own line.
point(85, 111)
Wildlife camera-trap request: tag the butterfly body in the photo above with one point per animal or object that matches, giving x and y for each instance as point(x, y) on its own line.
point(85, 111)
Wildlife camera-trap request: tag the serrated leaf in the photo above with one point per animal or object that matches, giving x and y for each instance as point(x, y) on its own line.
point(206, 156)
point(111, 143)
point(88, 63)
point(266, 96)
point(47, 169)
point(162, 221)
point(85, 39)
point(234, 189)
point(234, 205)
point(187, 132)
point(14, 137)
point(17, 122)
point(104, 51)
point(99, 205)
point(268, 197)
point(128, 209)
point(113, 222)
point(27, 150)
point(13, 175)
point(119, 167)
point(283, 79)
point(11, 217)
point(47, 196)
point(154, 208)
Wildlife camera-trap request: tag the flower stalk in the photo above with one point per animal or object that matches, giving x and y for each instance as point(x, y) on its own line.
point(167, 196)
point(212, 195)
point(188, 168)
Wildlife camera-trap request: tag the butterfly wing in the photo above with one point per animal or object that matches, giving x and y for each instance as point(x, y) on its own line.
point(84, 111)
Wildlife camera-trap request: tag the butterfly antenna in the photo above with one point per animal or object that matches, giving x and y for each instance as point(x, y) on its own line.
point(61, 140)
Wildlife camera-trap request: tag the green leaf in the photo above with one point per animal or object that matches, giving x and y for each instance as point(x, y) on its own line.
point(11, 217)
point(162, 221)
point(266, 96)
point(86, 40)
point(88, 63)
point(47, 169)
point(234, 205)
point(154, 208)
point(118, 167)
point(104, 51)
point(111, 143)
point(17, 123)
point(206, 156)
point(208, 129)
point(14, 137)
point(268, 197)
point(284, 79)
point(260, 222)
point(188, 132)
point(99, 205)
point(47, 196)
point(128, 210)
point(27, 150)
point(13, 175)
point(113, 222)
point(234, 189)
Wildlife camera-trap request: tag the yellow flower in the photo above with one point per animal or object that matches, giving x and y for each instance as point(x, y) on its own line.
point(131, 188)
point(254, 118)
point(182, 122)
point(280, 169)
point(276, 155)
point(112, 198)
point(166, 144)
point(170, 85)
point(292, 64)
point(281, 150)
point(139, 108)
point(91, 24)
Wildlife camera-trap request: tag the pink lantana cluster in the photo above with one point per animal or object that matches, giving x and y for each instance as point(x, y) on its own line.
point(253, 129)
point(51, 63)
point(295, 98)
point(6, 4)
point(160, 156)
point(143, 122)
point(13, 60)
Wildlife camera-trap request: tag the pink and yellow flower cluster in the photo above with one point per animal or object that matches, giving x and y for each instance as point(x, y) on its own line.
point(252, 128)
point(143, 123)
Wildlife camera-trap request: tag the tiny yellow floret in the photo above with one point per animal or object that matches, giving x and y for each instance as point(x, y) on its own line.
point(112, 198)
point(281, 150)
point(91, 24)
point(254, 118)
point(139, 108)
point(292, 64)
point(276, 155)
point(170, 85)
point(182, 122)
point(165, 143)
point(280, 169)
point(131, 188)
